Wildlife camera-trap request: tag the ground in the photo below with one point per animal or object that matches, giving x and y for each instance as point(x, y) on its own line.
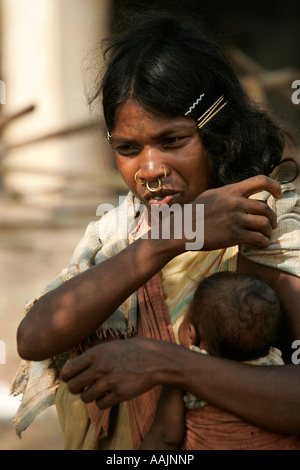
point(32, 253)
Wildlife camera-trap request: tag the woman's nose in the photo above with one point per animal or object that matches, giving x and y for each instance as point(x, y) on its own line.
point(152, 165)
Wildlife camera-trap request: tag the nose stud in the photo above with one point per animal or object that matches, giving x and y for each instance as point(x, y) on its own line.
point(143, 181)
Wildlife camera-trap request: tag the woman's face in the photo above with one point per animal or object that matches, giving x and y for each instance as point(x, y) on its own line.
point(153, 145)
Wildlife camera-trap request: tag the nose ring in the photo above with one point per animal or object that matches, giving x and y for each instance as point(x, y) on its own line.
point(143, 181)
point(165, 174)
point(153, 190)
point(136, 180)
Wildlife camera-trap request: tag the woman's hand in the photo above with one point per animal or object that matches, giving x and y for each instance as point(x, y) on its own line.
point(115, 371)
point(230, 217)
point(118, 371)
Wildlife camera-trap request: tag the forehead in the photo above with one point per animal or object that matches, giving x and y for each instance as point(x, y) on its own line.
point(133, 119)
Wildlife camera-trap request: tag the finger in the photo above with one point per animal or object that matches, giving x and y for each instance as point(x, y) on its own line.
point(107, 400)
point(256, 207)
point(95, 391)
point(256, 184)
point(74, 367)
point(81, 381)
point(254, 238)
point(257, 223)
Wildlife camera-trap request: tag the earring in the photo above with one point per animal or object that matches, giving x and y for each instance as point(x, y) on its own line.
point(108, 136)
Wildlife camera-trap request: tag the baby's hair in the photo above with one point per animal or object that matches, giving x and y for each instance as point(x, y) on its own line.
point(238, 315)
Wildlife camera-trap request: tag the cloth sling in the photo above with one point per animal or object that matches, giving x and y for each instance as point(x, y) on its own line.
point(209, 427)
point(153, 322)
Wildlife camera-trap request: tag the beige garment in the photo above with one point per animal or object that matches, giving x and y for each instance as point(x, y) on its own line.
point(71, 411)
point(71, 405)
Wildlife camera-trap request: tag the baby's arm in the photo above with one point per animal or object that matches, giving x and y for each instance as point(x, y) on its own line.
point(167, 430)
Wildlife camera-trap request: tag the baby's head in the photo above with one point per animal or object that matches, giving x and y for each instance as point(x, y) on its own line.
point(232, 315)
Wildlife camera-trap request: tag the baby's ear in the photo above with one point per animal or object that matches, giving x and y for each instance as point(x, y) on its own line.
point(193, 335)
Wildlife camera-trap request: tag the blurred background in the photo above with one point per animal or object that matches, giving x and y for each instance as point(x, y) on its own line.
point(55, 165)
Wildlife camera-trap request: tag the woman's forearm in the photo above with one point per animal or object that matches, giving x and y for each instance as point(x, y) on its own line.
point(63, 317)
point(268, 396)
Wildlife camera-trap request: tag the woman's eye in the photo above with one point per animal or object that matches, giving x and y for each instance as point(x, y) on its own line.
point(172, 141)
point(126, 149)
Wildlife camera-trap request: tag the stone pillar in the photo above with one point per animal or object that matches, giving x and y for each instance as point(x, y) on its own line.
point(44, 44)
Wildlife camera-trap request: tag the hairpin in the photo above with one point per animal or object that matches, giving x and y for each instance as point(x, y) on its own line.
point(214, 109)
point(194, 104)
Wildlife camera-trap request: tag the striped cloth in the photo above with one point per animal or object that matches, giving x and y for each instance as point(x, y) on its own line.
point(153, 322)
point(283, 251)
point(210, 428)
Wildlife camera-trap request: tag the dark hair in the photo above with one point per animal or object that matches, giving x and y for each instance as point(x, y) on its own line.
point(238, 315)
point(164, 63)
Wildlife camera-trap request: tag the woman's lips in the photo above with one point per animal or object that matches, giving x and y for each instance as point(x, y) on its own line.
point(164, 199)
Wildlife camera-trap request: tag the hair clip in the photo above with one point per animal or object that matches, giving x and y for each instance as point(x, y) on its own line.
point(214, 109)
point(195, 104)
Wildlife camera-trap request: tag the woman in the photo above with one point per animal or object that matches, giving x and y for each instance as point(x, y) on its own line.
point(183, 133)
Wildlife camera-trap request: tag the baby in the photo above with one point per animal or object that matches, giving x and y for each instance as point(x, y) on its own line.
point(232, 315)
